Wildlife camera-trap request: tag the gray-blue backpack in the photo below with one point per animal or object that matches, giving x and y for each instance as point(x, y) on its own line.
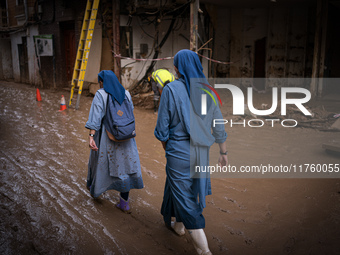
point(119, 120)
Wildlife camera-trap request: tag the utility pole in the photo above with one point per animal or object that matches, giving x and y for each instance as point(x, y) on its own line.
point(194, 6)
point(116, 37)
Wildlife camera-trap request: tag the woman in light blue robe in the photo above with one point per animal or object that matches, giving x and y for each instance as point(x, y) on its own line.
point(186, 137)
point(112, 165)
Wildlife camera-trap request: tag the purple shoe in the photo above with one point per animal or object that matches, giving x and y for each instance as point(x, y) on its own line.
point(123, 205)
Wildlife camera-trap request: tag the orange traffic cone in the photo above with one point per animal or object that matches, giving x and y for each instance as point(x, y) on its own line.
point(38, 95)
point(62, 104)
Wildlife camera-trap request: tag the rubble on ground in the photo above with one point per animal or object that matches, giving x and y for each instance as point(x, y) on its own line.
point(144, 100)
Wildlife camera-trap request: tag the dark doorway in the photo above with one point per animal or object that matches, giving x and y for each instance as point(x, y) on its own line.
point(260, 63)
point(69, 48)
point(23, 61)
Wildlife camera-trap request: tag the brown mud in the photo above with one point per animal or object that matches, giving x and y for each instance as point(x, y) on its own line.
point(45, 207)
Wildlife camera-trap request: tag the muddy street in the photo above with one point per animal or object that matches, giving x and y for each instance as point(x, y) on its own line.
point(45, 207)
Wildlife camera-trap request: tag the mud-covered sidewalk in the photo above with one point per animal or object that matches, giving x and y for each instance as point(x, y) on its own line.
point(45, 207)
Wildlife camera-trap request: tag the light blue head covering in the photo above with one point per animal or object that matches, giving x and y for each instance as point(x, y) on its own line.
point(112, 85)
point(190, 67)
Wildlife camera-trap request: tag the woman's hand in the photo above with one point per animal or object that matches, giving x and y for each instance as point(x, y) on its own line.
point(164, 145)
point(92, 144)
point(223, 160)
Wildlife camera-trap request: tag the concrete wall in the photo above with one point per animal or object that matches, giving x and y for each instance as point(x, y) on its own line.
point(221, 40)
point(94, 60)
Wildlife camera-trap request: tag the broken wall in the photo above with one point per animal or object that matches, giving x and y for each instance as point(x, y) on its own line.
point(133, 70)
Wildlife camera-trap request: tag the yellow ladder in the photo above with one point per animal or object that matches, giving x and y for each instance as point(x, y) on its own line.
point(84, 48)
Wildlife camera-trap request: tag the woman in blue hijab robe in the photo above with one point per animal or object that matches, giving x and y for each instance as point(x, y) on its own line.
point(186, 137)
point(112, 165)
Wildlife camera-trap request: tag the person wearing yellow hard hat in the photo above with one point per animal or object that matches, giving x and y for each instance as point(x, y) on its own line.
point(159, 79)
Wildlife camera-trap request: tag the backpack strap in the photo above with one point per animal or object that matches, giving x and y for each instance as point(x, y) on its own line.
point(105, 96)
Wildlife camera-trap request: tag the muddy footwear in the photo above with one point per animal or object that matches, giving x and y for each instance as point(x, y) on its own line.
point(178, 227)
point(89, 189)
point(123, 205)
point(200, 241)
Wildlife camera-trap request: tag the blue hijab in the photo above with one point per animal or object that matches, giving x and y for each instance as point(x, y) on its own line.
point(190, 67)
point(112, 85)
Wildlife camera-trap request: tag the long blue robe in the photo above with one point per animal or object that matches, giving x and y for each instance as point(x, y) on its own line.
point(115, 165)
point(184, 197)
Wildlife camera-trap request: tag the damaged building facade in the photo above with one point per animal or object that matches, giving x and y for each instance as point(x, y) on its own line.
point(247, 38)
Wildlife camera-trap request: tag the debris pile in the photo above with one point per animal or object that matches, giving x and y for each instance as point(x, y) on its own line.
point(144, 100)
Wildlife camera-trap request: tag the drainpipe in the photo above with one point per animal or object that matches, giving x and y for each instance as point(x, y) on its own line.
point(7, 13)
point(26, 11)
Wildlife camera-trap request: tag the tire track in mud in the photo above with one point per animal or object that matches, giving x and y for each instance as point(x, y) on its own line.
point(53, 193)
point(28, 204)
